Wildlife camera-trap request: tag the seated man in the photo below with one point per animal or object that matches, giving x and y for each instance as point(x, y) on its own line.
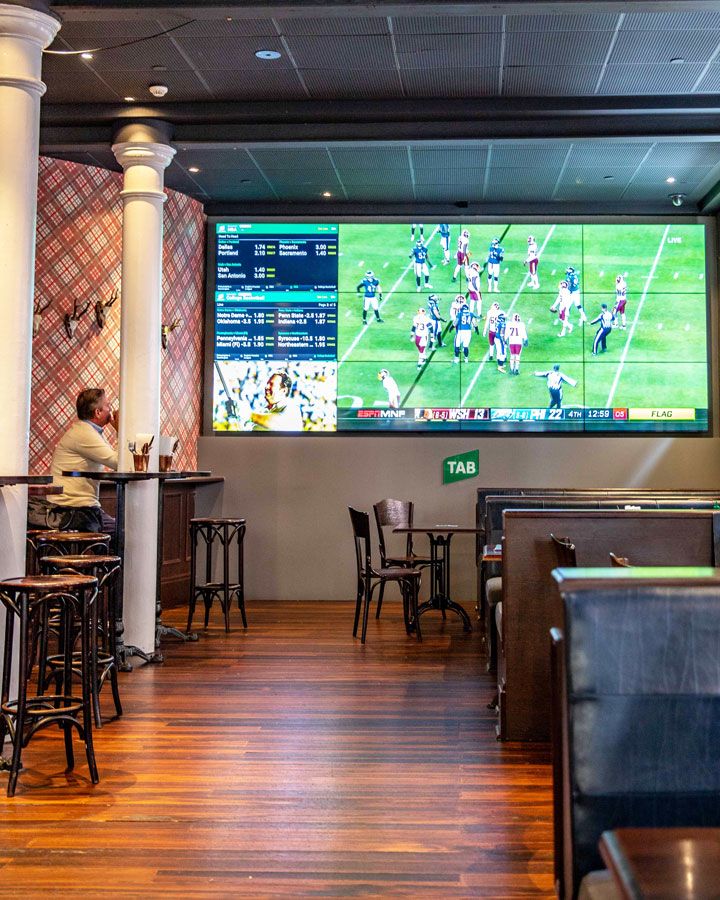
point(82, 447)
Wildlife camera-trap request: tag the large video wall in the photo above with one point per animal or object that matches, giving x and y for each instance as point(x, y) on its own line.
point(503, 326)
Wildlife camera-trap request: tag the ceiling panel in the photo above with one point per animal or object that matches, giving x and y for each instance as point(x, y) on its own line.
point(333, 52)
point(371, 159)
point(468, 157)
point(710, 81)
point(637, 47)
point(607, 155)
point(230, 84)
point(428, 82)
point(559, 23)
point(571, 191)
point(639, 80)
point(236, 161)
point(358, 84)
point(450, 192)
point(672, 21)
point(183, 85)
point(435, 52)
point(335, 25)
point(220, 27)
point(550, 81)
point(619, 177)
point(446, 24)
point(234, 53)
point(557, 48)
point(295, 161)
point(64, 76)
point(705, 153)
point(528, 155)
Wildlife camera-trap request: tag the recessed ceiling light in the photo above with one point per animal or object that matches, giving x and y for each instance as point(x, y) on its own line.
point(677, 60)
point(326, 194)
point(193, 169)
point(670, 180)
point(129, 99)
point(268, 54)
point(86, 56)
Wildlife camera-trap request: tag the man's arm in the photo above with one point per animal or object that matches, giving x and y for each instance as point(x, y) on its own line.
point(95, 448)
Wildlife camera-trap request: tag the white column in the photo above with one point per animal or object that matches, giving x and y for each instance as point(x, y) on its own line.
point(23, 35)
point(144, 161)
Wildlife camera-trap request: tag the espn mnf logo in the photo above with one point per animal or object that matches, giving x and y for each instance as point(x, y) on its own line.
point(461, 466)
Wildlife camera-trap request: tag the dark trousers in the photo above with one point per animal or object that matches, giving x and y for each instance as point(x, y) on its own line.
point(601, 338)
point(42, 514)
point(555, 398)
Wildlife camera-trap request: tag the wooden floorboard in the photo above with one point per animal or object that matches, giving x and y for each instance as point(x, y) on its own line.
point(289, 760)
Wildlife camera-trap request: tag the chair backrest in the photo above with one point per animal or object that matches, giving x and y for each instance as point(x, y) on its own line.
point(391, 514)
point(565, 550)
point(641, 712)
point(361, 533)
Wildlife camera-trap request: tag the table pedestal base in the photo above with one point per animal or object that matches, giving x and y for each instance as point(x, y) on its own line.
point(165, 630)
point(130, 650)
point(443, 604)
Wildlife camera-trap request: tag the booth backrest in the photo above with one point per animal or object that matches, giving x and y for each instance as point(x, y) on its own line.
point(531, 603)
point(641, 717)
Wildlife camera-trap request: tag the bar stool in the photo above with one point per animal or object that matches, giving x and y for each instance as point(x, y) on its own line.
point(26, 600)
point(71, 543)
point(31, 543)
point(104, 659)
point(223, 532)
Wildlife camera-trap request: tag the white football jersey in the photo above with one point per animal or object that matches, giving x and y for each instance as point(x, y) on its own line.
point(421, 324)
point(516, 332)
point(532, 252)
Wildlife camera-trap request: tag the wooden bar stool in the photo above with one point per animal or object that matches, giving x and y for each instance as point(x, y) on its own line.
point(25, 601)
point(32, 537)
point(104, 658)
point(222, 533)
point(71, 543)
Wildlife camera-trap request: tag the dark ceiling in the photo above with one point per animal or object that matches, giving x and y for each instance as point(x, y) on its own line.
point(535, 106)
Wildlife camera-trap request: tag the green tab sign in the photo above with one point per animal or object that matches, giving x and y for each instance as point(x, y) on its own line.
point(464, 465)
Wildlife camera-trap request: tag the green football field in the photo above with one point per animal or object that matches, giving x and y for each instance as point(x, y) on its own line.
point(659, 360)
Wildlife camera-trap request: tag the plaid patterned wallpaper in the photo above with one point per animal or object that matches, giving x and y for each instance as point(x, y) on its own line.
point(78, 252)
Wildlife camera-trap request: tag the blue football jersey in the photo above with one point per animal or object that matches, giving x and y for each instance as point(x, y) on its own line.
point(573, 280)
point(369, 286)
point(464, 319)
point(444, 230)
point(420, 254)
point(495, 254)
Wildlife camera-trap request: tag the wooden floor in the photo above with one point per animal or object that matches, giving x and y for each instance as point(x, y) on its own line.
point(290, 761)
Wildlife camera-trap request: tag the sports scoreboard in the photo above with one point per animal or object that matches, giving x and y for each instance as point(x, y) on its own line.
point(488, 418)
point(276, 291)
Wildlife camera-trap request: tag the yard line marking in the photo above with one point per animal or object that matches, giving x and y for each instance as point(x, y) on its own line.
point(487, 357)
point(385, 299)
point(626, 348)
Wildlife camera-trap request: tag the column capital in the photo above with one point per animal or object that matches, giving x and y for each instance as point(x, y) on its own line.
point(24, 34)
point(139, 153)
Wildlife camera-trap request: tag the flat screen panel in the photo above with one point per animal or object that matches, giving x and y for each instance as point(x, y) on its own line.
point(383, 326)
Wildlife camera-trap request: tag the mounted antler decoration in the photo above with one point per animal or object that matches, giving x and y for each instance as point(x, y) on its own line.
point(101, 306)
point(71, 321)
point(38, 310)
point(165, 332)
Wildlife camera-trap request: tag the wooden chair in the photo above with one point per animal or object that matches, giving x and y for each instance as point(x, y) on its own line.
point(392, 514)
point(368, 578)
point(565, 551)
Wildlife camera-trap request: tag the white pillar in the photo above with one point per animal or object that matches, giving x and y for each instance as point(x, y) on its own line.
point(144, 159)
point(23, 35)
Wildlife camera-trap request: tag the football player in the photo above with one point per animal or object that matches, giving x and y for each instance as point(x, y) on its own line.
point(390, 385)
point(444, 230)
point(436, 320)
point(500, 343)
point(455, 308)
point(620, 300)
point(370, 286)
point(531, 261)
point(463, 331)
point(472, 277)
point(517, 339)
point(421, 230)
point(490, 325)
point(420, 333)
point(572, 277)
point(462, 255)
point(561, 306)
point(421, 263)
point(495, 257)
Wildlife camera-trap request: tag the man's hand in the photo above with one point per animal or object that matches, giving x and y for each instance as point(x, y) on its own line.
point(115, 419)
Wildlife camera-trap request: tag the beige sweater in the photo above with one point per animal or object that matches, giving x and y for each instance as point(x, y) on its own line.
point(85, 449)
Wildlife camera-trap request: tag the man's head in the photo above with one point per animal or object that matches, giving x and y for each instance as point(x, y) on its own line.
point(603, 306)
point(92, 406)
point(277, 388)
point(556, 367)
